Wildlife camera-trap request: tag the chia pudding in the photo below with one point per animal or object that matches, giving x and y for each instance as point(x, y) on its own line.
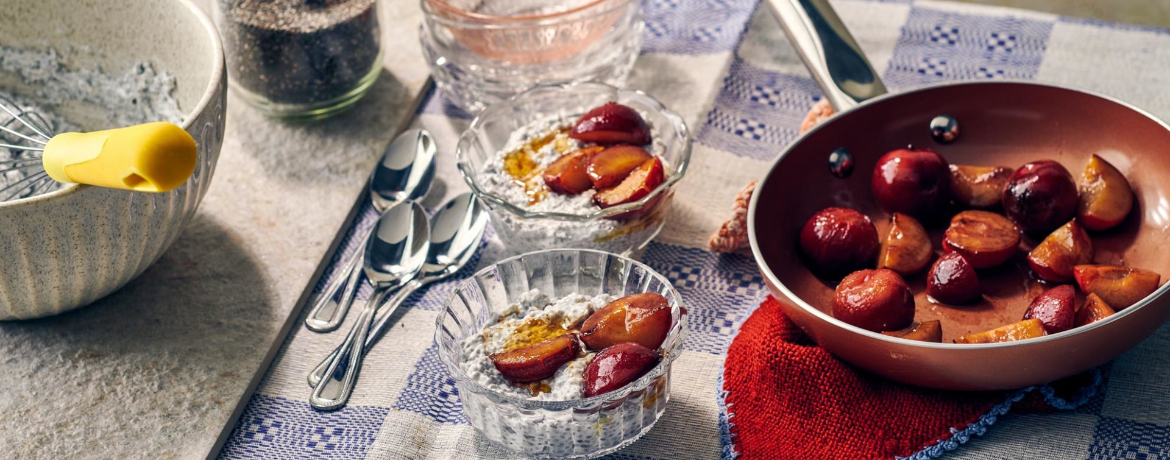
point(534, 317)
point(525, 174)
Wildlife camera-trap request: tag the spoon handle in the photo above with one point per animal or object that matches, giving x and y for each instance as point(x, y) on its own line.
point(381, 321)
point(334, 391)
point(327, 314)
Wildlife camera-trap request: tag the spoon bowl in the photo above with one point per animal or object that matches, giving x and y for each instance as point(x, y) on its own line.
point(405, 172)
point(395, 252)
point(456, 231)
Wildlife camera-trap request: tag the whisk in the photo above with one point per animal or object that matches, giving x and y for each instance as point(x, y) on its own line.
point(151, 157)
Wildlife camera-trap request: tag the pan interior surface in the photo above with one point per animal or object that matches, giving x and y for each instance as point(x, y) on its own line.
point(1002, 124)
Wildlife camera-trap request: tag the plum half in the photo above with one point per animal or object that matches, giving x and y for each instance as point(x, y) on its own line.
point(914, 182)
point(1040, 196)
point(876, 300)
point(839, 241)
point(985, 239)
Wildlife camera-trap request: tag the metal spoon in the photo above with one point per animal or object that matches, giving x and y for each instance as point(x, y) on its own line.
point(456, 230)
point(405, 172)
point(395, 252)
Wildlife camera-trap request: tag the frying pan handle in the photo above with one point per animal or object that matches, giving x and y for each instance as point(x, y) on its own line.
point(829, 51)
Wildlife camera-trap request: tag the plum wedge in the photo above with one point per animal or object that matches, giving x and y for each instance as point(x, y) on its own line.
point(568, 174)
point(985, 239)
point(1118, 286)
point(1094, 310)
point(644, 319)
point(1054, 258)
point(906, 249)
point(611, 124)
point(613, 164)
point(1026, 329)
point(1106, 198)
point(537, 361)
point(930, 331)
point(978, 186)
point(639, 183)
point(618, 366)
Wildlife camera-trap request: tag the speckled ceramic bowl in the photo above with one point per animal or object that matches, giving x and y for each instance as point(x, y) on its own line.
point(68, 248)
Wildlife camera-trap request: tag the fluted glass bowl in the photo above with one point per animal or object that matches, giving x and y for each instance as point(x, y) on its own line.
point(577, 428)
point(622, 229)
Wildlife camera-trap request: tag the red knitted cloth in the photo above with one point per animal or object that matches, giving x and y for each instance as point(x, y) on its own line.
point(788, 398)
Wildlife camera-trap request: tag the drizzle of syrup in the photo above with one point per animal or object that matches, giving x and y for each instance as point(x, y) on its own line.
point(525, 170)
point(519, 164)
point(536, 388)
point(535, 330)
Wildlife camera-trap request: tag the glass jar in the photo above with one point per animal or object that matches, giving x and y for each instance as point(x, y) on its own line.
point(484, 51)
point(300, 58)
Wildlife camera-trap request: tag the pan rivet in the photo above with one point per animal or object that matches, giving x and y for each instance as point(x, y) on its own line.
point(944, 129)
point(841, 163)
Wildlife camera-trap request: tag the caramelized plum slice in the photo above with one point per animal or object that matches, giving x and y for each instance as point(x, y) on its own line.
point(643, 319)
point(978, 186)
point(1105, 196)
point(930, 331)
point(538, 361)
point(906, 249)
point(610, 124)
point(1120, 287)
point(875, 300)
point(914, 182)
point(985, 239)
point(1054, 258)
point(639, 183)
point(1026, 329)
point(952, 280)
point(1092, 311)
point(568, 174)
point(613, 164)
point(838, 241)
point(618, 366)
point(1040, 196)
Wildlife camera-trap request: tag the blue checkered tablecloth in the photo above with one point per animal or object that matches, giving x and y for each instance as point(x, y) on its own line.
point(726, 67)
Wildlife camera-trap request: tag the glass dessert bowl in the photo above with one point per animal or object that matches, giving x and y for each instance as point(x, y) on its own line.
point(483, 52)
point(632, 151)
point(554, 417)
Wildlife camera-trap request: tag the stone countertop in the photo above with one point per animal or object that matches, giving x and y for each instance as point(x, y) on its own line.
point(155, 370)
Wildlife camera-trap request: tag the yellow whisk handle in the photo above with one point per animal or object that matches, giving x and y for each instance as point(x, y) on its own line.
point(152, 157)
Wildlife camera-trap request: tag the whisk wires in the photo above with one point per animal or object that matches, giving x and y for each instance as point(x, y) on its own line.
point(24, 170)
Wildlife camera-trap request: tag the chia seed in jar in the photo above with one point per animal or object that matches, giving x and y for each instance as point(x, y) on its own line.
point(300, 53)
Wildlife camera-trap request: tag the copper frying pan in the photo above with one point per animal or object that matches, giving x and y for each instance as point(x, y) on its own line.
point(1002, 123)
